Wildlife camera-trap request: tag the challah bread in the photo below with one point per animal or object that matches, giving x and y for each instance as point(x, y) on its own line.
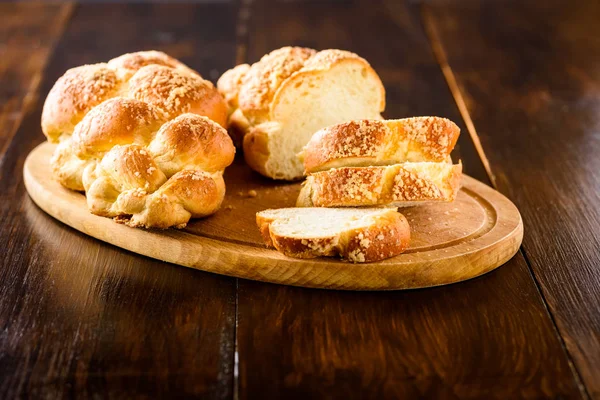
point(373, 142)
point(229, 85)
point(278, 102)
point(143, 136)
point(357, 235)
point(152, 77)
point(398, 185)
point(373, 162)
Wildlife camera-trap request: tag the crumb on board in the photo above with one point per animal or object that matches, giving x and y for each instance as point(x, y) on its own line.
point(229, 207)
point(249, 193)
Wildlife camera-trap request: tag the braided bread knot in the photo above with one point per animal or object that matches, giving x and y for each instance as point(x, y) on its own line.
point(143, 135)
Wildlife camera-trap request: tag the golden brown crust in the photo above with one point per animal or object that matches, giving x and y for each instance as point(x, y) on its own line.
point(128, 64)
point(400, 184)
point(190, 141)
point(361, 139)
point(264, 77)
point(128, 185)
point(263, 226)
point(174, 93)
point(326, 58)
point(229, 85)
point(198, 192)
point(386, 236)
point(371, 142)
point(151, 157)
point(116, 121)
point(307, 248)
point(73, 95)
point(131, 167)
point(82, 88)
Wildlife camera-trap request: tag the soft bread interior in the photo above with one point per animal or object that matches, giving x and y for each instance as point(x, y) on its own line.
point(304, 104)
point(394, 159)
point(318, 222)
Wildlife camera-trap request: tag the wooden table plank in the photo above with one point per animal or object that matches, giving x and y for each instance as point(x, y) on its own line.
point(82, 318)
point(26, 42)
point(490, 337)
point(530, 76)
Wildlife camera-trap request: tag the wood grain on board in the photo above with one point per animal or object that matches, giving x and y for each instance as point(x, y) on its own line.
point(490, 335)
point(26, 43)
point(534, 98)
point(469, 237)
point(80, 318)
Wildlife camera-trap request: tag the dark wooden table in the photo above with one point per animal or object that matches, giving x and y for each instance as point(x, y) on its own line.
point(80, 318)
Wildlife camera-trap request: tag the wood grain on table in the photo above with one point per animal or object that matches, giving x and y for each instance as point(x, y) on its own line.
point(79, 318)
point(27, 42)
point(535, 102)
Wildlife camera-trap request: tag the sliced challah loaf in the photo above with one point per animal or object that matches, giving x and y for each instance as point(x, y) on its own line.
point(358, 235)
point(143, 136)
point(397, 162)
point(399, 185)
point(278, 102)
point(373, 142)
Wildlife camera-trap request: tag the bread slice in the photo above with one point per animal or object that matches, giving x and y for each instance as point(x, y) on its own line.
point(282, 100)
point(398, 185)
point(372, 142)
point(355, 234)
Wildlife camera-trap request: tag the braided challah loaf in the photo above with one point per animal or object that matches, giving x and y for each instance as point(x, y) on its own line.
point(143, 135)
point(278, 102)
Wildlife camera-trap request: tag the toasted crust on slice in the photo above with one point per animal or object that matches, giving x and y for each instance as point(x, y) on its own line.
point(399, 185)
point(357, 235)
point(373, 142)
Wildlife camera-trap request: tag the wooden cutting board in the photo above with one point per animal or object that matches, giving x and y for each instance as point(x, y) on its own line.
point(451, 242)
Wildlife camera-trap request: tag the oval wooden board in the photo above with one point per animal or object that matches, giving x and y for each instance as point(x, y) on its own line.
point(451, 242)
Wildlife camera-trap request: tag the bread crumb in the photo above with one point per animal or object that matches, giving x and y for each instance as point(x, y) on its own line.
point(229, 207)
point(252, 193)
